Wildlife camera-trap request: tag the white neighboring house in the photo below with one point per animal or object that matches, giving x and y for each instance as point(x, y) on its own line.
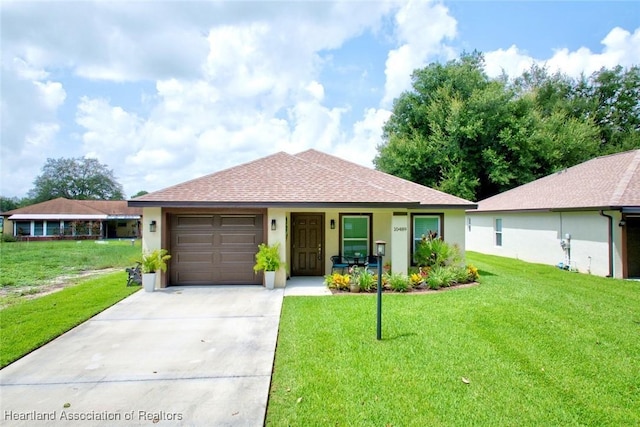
point(586, 217)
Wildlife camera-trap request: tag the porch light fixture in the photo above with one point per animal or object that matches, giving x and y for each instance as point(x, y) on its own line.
point(333, 224)
point(622, 223)
point(273, 224)
point(380, 244)
point(152, 226)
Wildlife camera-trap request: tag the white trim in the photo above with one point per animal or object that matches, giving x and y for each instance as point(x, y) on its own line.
point(36, 217)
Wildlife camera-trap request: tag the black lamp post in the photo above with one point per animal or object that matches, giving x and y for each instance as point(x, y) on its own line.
point(380, 253)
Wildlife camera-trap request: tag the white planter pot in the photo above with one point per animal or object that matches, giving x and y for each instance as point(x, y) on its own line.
point(270, 279)
point(149, 282)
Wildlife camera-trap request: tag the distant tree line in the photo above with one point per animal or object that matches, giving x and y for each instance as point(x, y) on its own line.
point(72, 178)
point(459, 131)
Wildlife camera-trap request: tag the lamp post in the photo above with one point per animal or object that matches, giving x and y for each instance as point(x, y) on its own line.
point(380, 253)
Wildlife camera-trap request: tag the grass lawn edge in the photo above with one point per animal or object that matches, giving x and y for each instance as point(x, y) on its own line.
point(30, 324)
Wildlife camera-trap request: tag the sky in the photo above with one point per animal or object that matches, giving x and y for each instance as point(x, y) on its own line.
point(166, 91)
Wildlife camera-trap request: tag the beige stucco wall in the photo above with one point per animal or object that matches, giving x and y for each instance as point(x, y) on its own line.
point(395, 230)
point(152, 241)
point(537, 237)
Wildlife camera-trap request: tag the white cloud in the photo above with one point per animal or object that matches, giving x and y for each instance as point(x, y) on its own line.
point(422, 28)
point(224, 82)
point(620, 47)
point(29, 106)
point(367, 135)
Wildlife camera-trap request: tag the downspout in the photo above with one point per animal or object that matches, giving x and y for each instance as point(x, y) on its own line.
point(610, 242)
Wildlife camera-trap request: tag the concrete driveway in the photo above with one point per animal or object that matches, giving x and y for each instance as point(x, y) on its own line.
point(193, 356)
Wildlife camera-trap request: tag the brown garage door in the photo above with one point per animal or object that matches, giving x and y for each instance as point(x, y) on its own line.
point(215, 249)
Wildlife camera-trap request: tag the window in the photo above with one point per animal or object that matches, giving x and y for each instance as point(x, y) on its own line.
point(23, 228)
point(53, 228)
point(67, 228)
point(38, 228)
point(498, 228)
point(469, 223)
point(425, 225)
point(355, 235)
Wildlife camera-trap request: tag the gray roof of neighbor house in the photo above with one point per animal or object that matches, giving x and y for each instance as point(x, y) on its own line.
point(608, 182)
point(310, 178)
point(76, 209)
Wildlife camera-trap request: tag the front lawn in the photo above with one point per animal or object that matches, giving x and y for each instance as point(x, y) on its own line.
point(532, 345)
point(31, 263)
point(29, 324)
point(28, 269)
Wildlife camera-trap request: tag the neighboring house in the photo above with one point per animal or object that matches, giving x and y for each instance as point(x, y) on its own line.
point(586, 217)
point(71, 219)
point(314, 204)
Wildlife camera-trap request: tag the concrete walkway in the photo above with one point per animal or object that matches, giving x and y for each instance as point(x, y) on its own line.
point(193, 356)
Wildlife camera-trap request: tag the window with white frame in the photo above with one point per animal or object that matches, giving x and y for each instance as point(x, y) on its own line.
point(355, 235)
point(498, 230)
point(425, 226)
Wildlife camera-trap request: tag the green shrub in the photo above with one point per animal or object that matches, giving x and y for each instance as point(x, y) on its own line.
point(460, 274)
point(7, 238)
point(268, 258)
point(156, 260)
point(433, 251)
point(364, 278)
point(440, 277)
point(398, 282)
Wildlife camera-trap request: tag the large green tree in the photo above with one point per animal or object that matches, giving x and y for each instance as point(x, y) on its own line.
point(462, 132)
point(76, 178)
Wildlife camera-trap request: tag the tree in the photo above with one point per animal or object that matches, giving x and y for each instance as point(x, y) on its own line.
point(612, 99)
point(139, 193)
point(76, 178)
point(8, 203)
point(464, 133)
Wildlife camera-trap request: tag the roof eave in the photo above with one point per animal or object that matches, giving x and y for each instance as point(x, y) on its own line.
point(564, 209)
point(264, 205)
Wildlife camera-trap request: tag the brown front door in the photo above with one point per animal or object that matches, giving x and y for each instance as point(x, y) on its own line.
point(307, 242)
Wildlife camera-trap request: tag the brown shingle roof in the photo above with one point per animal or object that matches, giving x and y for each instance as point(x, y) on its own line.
point(604, 182)
point(310, 177)
point(63, 206)
point(411, 190)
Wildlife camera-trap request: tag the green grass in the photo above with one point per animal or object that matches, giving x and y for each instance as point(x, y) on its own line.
point(30, 324)
point(33, 263)
point(538, 346)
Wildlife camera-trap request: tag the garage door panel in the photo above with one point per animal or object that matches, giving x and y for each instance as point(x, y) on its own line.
point(195, 277)
point(215, 249)
point(240, 221)
point(184, 257)
point(194, 239)
point(200, 221)
point(238, 258)
point(228, 239)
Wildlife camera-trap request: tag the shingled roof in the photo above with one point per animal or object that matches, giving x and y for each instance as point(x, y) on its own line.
point(79, 208)
point(309, 178)
point(608, 182)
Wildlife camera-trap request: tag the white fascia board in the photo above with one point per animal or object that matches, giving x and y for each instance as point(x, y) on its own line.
point(55, 216)
point(124, 217)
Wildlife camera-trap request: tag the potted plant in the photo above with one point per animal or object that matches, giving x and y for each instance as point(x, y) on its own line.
point(151, 263)
point(268, 260)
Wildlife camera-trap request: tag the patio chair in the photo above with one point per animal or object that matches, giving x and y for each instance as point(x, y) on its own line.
point(339, 262)
point(372, 262)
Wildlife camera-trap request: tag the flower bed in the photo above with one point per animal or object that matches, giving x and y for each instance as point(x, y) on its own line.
point(439, 266)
